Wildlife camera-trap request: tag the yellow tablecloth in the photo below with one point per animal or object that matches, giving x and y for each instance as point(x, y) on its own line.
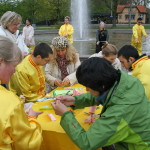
point(54, 137)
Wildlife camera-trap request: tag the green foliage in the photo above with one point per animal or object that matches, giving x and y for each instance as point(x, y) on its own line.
point(98, 6)
point(39, 10)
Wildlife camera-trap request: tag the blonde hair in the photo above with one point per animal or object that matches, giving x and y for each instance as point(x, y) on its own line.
point(9, 51)
point(67, 17)
point(109, 49)
point(8, 18)
point(61, 42)
point(101, 23)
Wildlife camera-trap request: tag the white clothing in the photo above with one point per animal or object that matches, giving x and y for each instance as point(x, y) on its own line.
point(116, 64)
point(16, 38)
point(28, 35)
point(52, 72)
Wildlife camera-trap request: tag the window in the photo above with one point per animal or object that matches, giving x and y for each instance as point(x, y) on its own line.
point(141, 16)
point(120, 16)
point(132, 17)
point(127, 16)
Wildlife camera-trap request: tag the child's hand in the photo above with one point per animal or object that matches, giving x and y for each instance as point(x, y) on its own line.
point(90, 119)
point(66, 99)
point(23, 98)
point(59, 108)
point(34, 113)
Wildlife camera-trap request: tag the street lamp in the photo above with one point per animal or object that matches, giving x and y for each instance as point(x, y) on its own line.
point(12, 2)
point(130, 12)
point(111, 16)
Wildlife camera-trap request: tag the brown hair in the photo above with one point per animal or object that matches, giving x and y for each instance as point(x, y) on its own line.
point(109, 49)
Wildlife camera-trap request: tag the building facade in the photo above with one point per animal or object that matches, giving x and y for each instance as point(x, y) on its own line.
point(137, 11)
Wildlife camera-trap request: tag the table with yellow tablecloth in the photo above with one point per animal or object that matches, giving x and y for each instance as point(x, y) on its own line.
point(54, 137)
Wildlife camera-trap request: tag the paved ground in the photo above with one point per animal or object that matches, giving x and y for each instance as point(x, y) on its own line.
point(124, 31)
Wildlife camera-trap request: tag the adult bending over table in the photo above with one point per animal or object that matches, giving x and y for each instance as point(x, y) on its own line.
point(125, 117)
point(17, 130)
point(109, 52)
point(62, 68)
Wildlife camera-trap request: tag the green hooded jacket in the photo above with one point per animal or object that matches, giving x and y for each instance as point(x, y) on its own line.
point(124, 120)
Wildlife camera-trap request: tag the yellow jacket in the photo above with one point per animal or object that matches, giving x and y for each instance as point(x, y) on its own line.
point(17, 131)
point(67, 29)
point(138, 31)
point(141, 70)
point(28, 80)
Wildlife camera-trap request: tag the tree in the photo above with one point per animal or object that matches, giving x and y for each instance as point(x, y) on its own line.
point(38, 10)
point(60, 8)
point(5, 5)
point(114, 9)
point(141, 2)
point(98, 6)
point(117, 2)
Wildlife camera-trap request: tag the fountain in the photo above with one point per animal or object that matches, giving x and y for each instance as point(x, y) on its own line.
point(146, 45)
point(80, 19)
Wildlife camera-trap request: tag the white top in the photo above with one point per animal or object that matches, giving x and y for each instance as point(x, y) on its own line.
point(52, 72)
point(16, 38)
point(116, 64)
point(28, 35)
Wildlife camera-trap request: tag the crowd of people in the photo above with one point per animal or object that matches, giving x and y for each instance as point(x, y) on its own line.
point(124, 122)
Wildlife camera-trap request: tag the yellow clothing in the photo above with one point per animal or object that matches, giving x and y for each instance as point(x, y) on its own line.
point(17, 131)
point(138, 31)
point(28, 80)
point(67, 29)
point(141, 70)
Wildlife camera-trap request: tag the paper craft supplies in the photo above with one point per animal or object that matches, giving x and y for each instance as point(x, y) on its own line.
point(45, 108)
point(76, 92)
point(92, 109)
point(73, 92)
point(46, 99)
point(63, 92)
point(51, 117)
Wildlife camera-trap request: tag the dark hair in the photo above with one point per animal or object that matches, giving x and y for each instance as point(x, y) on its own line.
point(43, 50)
point(139, 19)
point(128, 51)
point(28, 20)
point(97, 74)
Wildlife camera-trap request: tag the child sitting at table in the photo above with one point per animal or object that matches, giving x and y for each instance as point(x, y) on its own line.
point(29, 78)
point(108, 52)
